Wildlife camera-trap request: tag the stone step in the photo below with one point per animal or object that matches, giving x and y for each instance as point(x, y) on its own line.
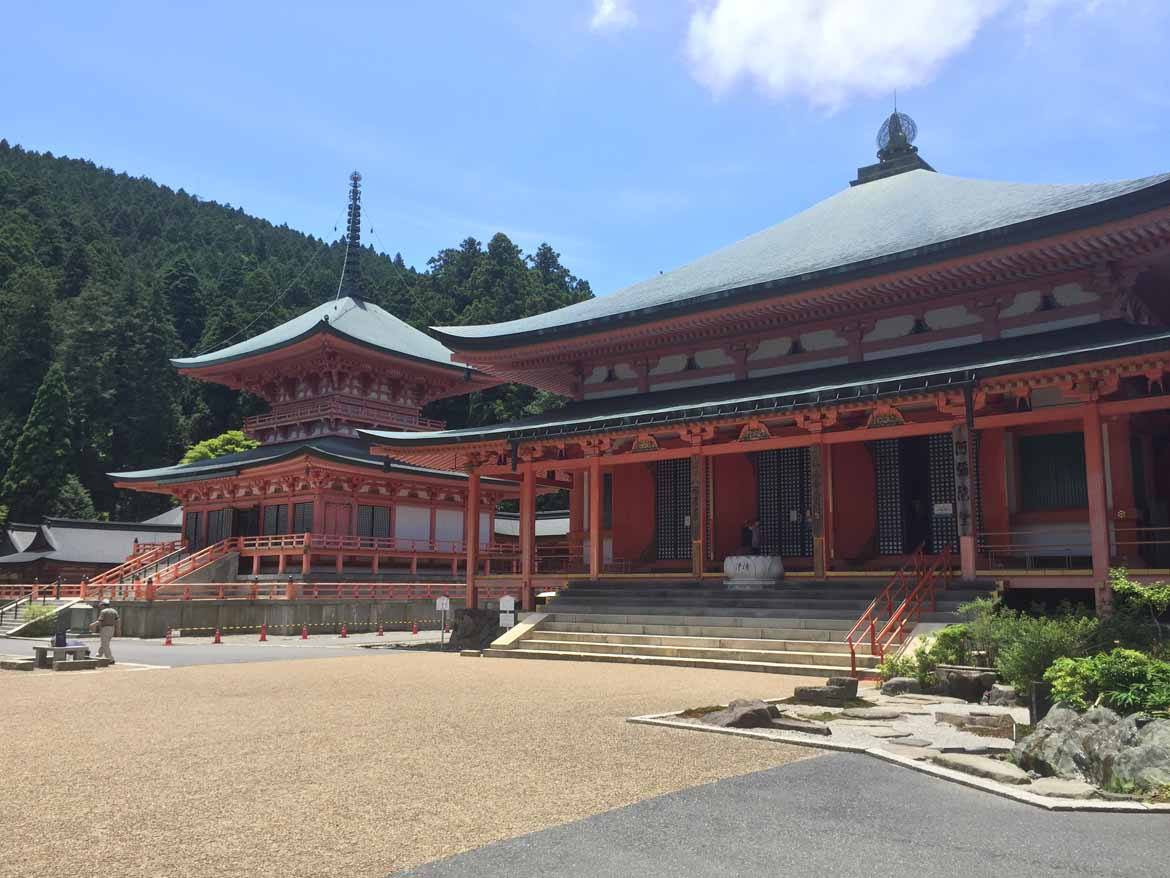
point(822, 671)
point(807, 611)
point(696, 641)
point(772, 656)
point(723, 621)
point(667, 630)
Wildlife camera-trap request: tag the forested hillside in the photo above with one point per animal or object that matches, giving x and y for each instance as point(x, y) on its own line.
point(104, 277)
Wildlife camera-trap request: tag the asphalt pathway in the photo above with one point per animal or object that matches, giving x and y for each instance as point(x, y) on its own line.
point(838, 815)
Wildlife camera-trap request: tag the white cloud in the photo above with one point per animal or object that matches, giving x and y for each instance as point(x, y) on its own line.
point(612, 15)
point(827, 51)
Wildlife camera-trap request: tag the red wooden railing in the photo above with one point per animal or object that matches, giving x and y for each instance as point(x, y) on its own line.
point(335, 407)
point(142, 556)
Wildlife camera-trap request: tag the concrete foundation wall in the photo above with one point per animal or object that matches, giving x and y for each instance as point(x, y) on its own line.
point(152, 619)
point(221, 570)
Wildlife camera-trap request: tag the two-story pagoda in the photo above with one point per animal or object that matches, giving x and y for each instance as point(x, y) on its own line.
point(312, 493)
point(918, 360)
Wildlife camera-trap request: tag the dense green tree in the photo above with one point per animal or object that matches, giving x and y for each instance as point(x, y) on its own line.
point(230, 442)
point(43, 455)
point(180, 285)
point(72, 500)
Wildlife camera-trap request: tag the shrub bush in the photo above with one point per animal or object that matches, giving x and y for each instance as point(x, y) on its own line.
point(951, 646)
point(897, 666)
point(1138, 617)
point(1123, 679)
point(41, 619)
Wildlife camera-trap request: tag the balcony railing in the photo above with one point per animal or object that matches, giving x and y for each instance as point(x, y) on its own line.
point(341, 408)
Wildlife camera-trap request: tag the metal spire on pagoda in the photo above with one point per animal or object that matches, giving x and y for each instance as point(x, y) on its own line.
point(351, 271)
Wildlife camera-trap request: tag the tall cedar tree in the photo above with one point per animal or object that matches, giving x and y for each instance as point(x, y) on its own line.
point(42, 459)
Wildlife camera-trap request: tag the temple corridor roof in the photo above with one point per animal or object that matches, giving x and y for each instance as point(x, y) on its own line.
point(928, 371)
point(341, 449)
point(349, 317)
point(882, 225)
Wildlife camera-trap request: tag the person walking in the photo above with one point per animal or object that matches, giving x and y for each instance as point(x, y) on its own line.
point(107, 626)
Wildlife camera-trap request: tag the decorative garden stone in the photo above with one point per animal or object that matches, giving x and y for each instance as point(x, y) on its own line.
point(1002, 696)
point(966, 683)
point(752, 572)
point(901, 686)
point(826, 696)
point(743, 713)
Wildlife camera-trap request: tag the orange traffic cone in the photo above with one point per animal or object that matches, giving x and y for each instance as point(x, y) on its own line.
point(217, 638)
point(343, 633)
point(304, 632)
point(167, 641)
point(263, 633)
point(381, 633)
point(414, 628)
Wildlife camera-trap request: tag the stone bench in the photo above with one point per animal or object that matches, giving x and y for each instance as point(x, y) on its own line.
point(41, 654)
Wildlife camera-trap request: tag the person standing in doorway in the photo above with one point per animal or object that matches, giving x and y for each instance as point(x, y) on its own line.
point(754, 527)
point(107, 627)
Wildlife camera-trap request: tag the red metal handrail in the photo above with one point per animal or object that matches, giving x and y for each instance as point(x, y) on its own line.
point(895, 591)
point(924, 592)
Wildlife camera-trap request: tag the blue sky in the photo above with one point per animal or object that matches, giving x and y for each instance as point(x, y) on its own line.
point(632, 136)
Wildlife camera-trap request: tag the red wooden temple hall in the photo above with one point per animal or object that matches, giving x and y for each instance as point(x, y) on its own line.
point(918, 360)
point(312, 493)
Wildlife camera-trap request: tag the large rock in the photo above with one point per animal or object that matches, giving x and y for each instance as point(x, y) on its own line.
point(966, 683)
point(1002, 696)
point(901, 686)
point(743, 713)
point(849, 684)
point(1070, 745)
point(983, 766)
point(826, 696)
point(474, 629)
point(1143, 761)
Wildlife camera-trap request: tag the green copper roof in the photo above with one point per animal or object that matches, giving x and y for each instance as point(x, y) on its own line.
point(914, 373)
point(878, 227)
point(351, 318)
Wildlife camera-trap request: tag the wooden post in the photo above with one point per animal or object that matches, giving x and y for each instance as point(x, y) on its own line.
point(962, 441)
point(280, 561)
point(1098, 509)
point(595, 554)
point(527, 535)
point(256, 564)
point(471, 537)
point(819, 482)
point(577, 512)
point(698, 515)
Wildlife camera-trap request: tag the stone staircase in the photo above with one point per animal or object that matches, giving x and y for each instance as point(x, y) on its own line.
point(795, 628)
point(14, 615)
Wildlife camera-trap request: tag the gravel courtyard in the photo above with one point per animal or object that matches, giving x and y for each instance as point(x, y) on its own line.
point(351, 765)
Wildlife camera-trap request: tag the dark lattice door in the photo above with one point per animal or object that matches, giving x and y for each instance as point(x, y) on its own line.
point(943, 529)
point(672, 509)
point(890, 514)
point(783, 502)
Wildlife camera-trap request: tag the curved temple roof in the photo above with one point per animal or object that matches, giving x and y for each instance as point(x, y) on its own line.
point(349, 317)
point(879, 223)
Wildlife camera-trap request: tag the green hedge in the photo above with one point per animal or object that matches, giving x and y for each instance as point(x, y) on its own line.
point(1126, 680)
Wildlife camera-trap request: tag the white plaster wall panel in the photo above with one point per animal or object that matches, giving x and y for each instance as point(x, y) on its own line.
point(448, 526)
point(1046, 397)
point(1073, 294)
point(1049, 326)
point(412, 522)
point(712, 358)
point(485, 531)
point(821, 340)
point(624, 372)
point(597, 375)
point(891, 327)
point(694, 382)
point(771, 347)
point(799, 367)
point(606, 394)
point(1023, 303)
point(951, 317)
point(673, 363)
point(903, 350)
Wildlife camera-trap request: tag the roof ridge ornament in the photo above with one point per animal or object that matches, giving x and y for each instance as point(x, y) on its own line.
point(351, 269)
point(896, 151)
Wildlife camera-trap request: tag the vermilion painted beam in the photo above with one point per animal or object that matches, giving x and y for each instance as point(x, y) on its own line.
point(471, 538)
